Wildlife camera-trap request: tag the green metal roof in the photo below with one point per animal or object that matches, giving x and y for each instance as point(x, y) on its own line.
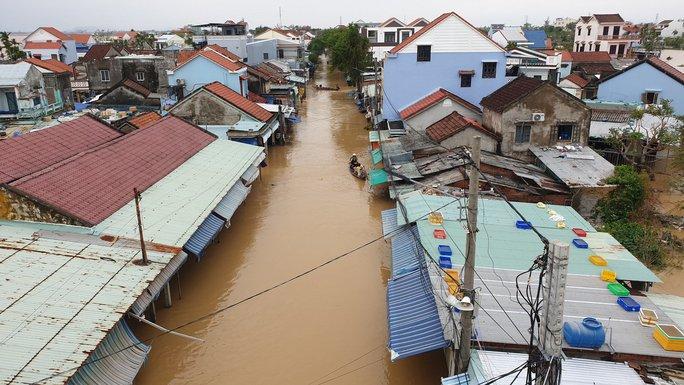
point(376, 156)
point(377, 177)
point(377, 136)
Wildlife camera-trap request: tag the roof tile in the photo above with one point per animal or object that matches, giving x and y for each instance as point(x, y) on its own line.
point(145, 119)
point(53, 65)
point(590, 57)
point(453, 124)
point(577, 79)
point(433, 98)
point(510, 93)
point(43, 45)
point(244, 104)
point(57, 33)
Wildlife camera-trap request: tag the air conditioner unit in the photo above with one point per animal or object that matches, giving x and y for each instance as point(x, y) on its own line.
point(538, 117)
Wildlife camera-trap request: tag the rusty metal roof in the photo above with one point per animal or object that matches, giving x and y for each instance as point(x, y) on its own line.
point(59, 298)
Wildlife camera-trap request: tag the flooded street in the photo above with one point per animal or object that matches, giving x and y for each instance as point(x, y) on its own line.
point(306, 209)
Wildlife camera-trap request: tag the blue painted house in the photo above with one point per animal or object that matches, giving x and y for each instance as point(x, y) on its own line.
point(448, 53)
point(646, 82)
point(211, 64)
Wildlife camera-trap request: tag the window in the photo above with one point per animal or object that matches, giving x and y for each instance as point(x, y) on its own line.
point(489, 70)
point(588, 30)
point(405, 35)
point(265, 55)
point(104, 75)
point(565, 132)
point(390, 37)
point(140, 76)
point(466, 80)
point(597, 47)
point(522, 132)
point(581, 47)
point(612, 49)
point(54, 56)
point(605, 30)
point(616, 30)
point(424, 52)
point(579, 31)
point(538, 77)
point(650, 97)
point(372, 34)
point(281, 54)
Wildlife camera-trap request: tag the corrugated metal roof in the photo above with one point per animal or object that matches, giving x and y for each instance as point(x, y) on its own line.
point(250, 175)
point(377, 136)
point(460, 379)
point(389, 222)
point(377, 177)
point(672, 305)
point(59, 299)
point(205, 234)
point(407, 254)
point(579, 168)
point(232, 200)
point(116, 361)
point(576, 371)
point(156, 286)
point(174, 207)
point(376, 156)
point(414, 325)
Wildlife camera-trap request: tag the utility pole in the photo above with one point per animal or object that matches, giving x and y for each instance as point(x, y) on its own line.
point(551, 322)
point(140, 228)
point(280, 17)
point(376, 103)
point(469, 267)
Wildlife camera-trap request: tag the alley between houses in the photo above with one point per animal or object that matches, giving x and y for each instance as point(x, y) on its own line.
point(305, 209)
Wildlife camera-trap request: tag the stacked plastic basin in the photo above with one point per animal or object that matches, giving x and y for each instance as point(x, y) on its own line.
point(445, 254)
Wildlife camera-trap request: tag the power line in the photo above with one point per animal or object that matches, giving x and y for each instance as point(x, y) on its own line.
point(347, 363)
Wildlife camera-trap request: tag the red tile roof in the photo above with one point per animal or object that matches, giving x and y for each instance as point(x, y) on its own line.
point(223, 51)
point(52, 65)
point(37, 150)
point(94, 184)
point(135, 86)
point(185, 55)
point(510, 93)
point(603, 69)
point(56, 33)
point(430, 25)
point(608, 17)
point(577, 79)
point(590, 57)
point(98, 52)
point(452, 124)
point(218, 59)
point(256, 98)
point(43, 45)
point(145, 119)
point(657, 64)
point(419, 21)
point(431, 100)
point(81, 38)
point(244, 104)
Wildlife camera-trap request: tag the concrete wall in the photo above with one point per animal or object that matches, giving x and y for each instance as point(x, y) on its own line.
point(630, 85)
point(154, 69)
point(204, 108)
point(465, 138)
point(122, 96)
point(236, 44)
point(438, 111)
point(257, 49)
point(19, 208)
point(201, 71)
point(58, 88)
point(406, 80)
point(558, 107)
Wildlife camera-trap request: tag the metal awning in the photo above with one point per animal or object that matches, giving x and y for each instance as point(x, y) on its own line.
point(250, 175)
point(376, 177)
point(376, 156)
point(414, 325)
point(204, 235)
point(459, 379)
point(232, 200)
point(115, 361)
point(156, 286)
point(389, 222)
point(407, 253)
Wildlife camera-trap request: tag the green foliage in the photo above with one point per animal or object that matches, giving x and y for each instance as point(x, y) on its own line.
point(642, 241)
point(511, 45)
point(650, 38)
point(11, 47)
point(675, 42)
point(259, 30)
point(347, 48)
point(562, 38)
point(626, 198)
point(313, 58)
point(143, 40)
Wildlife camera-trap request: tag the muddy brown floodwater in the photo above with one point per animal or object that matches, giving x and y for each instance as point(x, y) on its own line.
point(306, 209)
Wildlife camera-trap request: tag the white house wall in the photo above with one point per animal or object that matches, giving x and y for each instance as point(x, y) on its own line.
point(438, 111)
point(453, 35)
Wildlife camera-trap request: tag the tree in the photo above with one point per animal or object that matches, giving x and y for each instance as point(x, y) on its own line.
point(511, 45)
point(259, 30)
point(143, 40)
point(10, 47)
point(653, 128)
point(650, 39)
point(350, 53)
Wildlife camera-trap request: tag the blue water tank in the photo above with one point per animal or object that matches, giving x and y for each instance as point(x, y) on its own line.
point(588, 334)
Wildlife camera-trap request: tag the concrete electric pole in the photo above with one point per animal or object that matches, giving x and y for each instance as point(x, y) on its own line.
point(469, 268)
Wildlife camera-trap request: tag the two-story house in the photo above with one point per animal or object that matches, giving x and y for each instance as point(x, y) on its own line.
point(448, 53)
point(50, 43)
point(386, 35)
point(604, 33)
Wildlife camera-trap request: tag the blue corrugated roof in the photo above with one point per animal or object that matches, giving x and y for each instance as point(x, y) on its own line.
point(389, 222)
point(407, 254)
point(460, 379)
point(537, 37)
point(232, 200)
point(414, 325)
point(204, 235)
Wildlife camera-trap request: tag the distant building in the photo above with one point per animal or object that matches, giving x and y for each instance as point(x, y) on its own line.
point(673, 57)
point(574, 84)
point(563, 22)
point(671, 28)
point(534, 64)
point(169, 40)
point(448, 53)
point(386, 35)
point(83, 43)
point(537, 39)
point(510, 35)
point(22, 91)
point(125, 35)
point(261, 50)
point(281, 34)
point(57, 79)
point(51, 43)
point(126, 94)
point(604, 33)
point(645, 82)
point(229, 28)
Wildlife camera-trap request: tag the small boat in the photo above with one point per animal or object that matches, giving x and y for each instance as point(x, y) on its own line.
point(358, 171)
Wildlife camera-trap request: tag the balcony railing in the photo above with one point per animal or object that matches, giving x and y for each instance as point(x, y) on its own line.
point(619, 37)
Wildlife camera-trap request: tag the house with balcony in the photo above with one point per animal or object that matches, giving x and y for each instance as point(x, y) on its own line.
point(604, 33)
point(22, 92)
point(522, 60)
point(448, 53)
point(50, 43)
point(386, 35)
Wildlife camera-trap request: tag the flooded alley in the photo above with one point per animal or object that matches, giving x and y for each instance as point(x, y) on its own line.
point(306, 209)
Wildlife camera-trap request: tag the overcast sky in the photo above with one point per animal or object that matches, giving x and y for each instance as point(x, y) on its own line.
point(70, 15)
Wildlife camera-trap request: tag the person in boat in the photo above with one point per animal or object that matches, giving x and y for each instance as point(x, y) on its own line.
point(354, 161)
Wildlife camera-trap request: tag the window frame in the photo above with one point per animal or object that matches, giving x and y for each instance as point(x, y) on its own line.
point(654, 99)
point(489, 73)
point(523, 132)
point(469, 82)
point(373, 32)
point(265, 55)
point(394, 37)
point(102, 77)
point(572, 126)
point(606, 30)
point(423, 58)
point(140, 76)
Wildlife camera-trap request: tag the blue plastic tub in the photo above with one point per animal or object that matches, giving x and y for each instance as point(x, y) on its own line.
point(523, 225)
point(588, 334)
point(444, 258)
point(580, 243)
point(628, 303)
point(445, 264)
point(444, 250)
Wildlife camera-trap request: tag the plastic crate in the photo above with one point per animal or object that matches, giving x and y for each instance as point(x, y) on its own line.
point(439, 234)
point(445, 265)
point(579, 232)
point(451, 275)
point(670, 337)
point(523, 225)
point(580, 244)
point(628, 303)
point(444, 250)
point(608, 275)
point(617, 289)
point(597, 260)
